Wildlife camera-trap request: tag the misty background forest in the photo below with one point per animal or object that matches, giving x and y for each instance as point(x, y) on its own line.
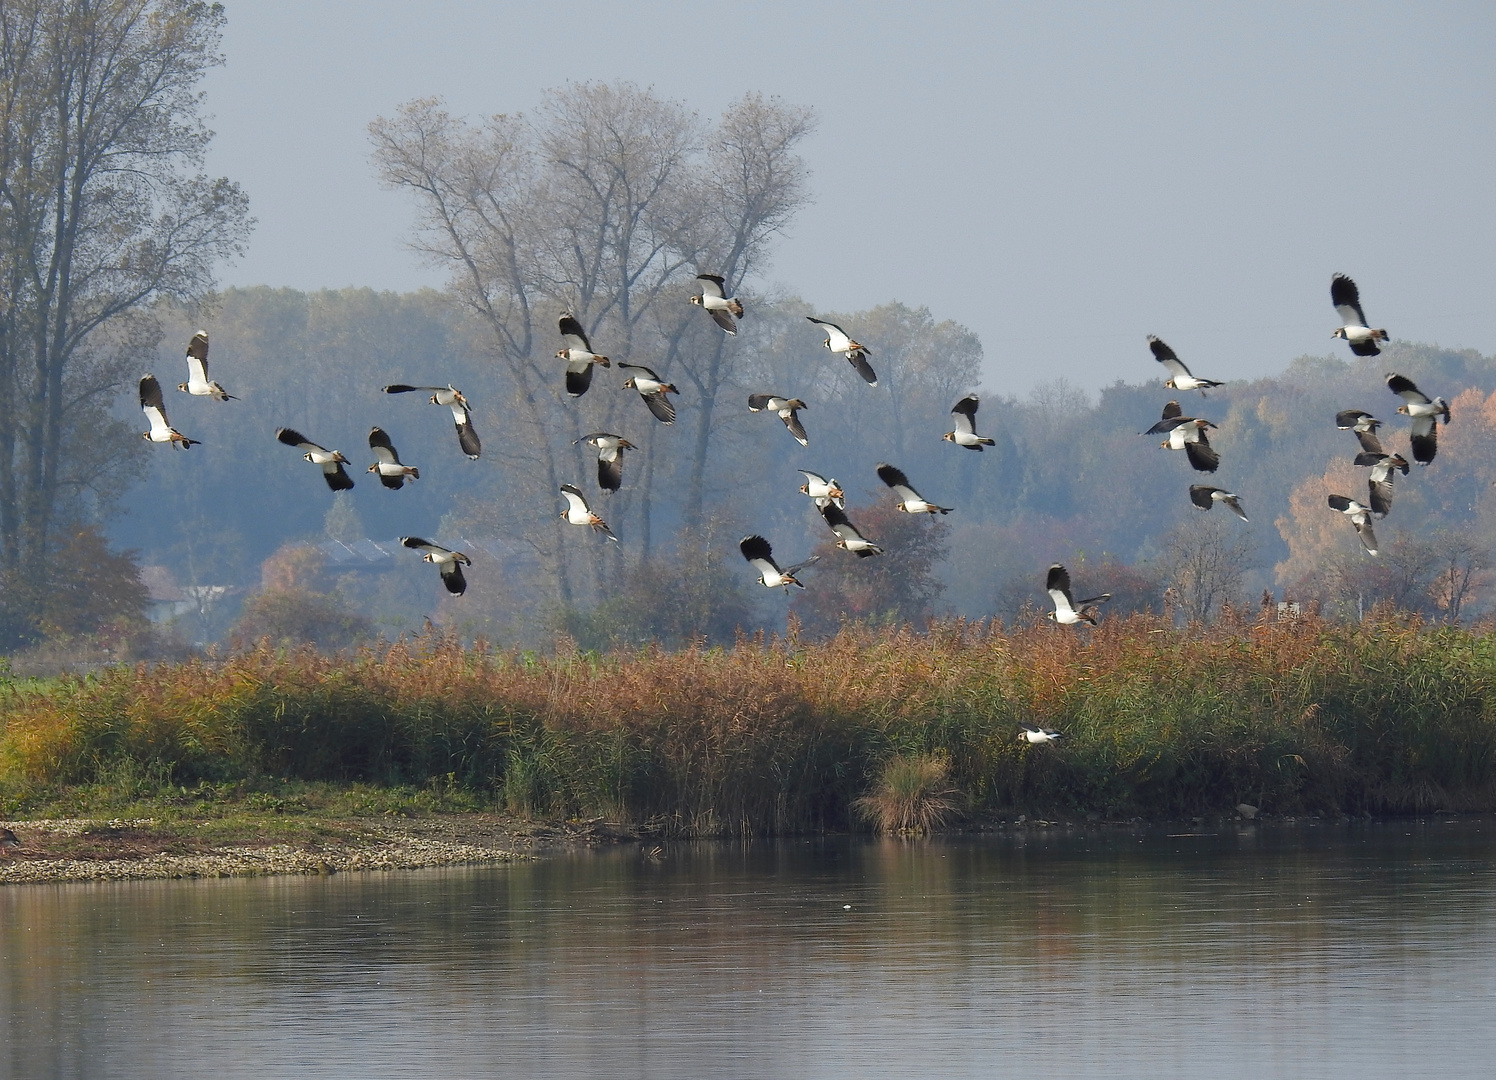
point(606, 201)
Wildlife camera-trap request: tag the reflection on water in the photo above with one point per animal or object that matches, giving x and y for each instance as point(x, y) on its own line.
point(1367, 951)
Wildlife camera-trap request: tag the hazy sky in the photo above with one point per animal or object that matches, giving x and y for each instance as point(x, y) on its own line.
point(1064, 179)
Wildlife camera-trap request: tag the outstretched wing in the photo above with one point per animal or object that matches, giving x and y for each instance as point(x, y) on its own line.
point(712, 285)
point(1346, 299)
point(797, 429)
point(661, 406)
point(573, 334)
point(858, 359)
point(1202, 455)
point(1167, 357)
point(896, 479)
point(964, 415)
point(576, 501)
point(384, 450)
point(1403, 387)
point(834, 334)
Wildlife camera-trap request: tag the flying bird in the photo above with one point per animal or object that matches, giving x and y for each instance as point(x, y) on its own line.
point(1364, 425)
point(1204, 496)
point(653, 390)
point(154, 407)
point(1379, 484)
point(910, 501)
point(578, 355)
point(1037, 735)
point(391, 473)
point(964, 417)
point(197, 371)
point(1360, 517)
point(1347, 300)
point(714, 299)
point(787, 408)
point(1187, 433)
point(838, 342)
point(462, 414)
point(332, 461)
point(1425, 414)
point(610, 450)
point(820, 489)
point(578, 513)
point(761, 557)
point(449, 562)
point(1066, 611)
point(1179, 375)
point(848, 538)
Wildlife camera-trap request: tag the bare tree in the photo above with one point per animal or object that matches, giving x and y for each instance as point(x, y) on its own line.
point(1462, 562)
point(102, 209)
point(1207, 559)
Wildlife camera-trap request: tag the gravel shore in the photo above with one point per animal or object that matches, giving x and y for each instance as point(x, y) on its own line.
point(122, 849)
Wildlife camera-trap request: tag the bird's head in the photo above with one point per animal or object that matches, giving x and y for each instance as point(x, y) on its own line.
point(182, 387)
point(374, 467)
point(563, 354)
point(1403, 409)
point(827, 343)
point(629, 383)
point(696, 300)
point(949, 436)
point(1338, 333)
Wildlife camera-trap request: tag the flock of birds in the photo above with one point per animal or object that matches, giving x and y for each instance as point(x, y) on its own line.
point(1187, 433)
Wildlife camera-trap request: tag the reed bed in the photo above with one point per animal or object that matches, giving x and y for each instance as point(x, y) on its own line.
point(782, 735)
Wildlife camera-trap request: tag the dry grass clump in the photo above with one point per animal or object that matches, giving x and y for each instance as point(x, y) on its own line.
point(912, 796)
point(781, 735)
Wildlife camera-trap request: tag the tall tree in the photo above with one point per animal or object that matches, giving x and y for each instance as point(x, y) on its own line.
point(103, 208)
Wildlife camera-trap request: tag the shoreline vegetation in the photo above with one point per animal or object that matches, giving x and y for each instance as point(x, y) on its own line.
point(894, 730)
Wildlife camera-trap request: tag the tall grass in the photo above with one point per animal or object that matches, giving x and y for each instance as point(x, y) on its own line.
point(782, 735)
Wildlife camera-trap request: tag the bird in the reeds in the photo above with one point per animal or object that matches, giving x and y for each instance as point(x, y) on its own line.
point(331, 461)
point(848, 538)
point(449, 562)
point(462, 415)
point(760, 556)
point(1424, 412)
point(8, 840)
point(1039, 735)
point(1360, 517)
point(1384, 467)
point(1179, 375)
point(838, 342)
point(578, 355)
point(1347, 301)
point(1364, 425)
point(653, 390)
point(822, 490)
point(1187, 433)
point(197, 382)
point(964, 419)
point(1204, 496)
point(1067, 612)
point(910, 501)
point(610, 450)
point(577, 512)
point(154, 407)
point(788, 410)
point(392, 474)
point(714, 299)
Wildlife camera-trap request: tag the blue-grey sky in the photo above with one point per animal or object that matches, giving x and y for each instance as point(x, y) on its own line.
point(1063, 178)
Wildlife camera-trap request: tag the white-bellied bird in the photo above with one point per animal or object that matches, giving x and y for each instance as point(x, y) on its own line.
point(154, 407)
point(1179, 375)
point(788, 410)
point(331, 461)
point(1424, 412)
point(964, 419)
point(838, 342)
point(447, 561)
point(1347, 301)
point(1204, 496)
point(1187, 433)
point(847, 536)
point(1036, 735)
point(462, 415)
point(197, 382)
point(610, 450)
point(577, 512)
point(578, 355)
point(392, 474)
point(1360, 517)
point(910, 501)
point(1365, 427)
point(1067, 612)
point(820, 489)
point(653, 390)
point(1379, 484)
point(761, 557)
point(714, 300)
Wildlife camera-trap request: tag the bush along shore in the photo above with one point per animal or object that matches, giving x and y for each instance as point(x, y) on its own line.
point(896, 729)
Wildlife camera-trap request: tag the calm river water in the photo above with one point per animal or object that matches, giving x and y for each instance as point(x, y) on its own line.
point(1350, 951)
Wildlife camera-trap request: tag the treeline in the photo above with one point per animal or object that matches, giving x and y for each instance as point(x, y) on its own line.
point(1288, 716)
